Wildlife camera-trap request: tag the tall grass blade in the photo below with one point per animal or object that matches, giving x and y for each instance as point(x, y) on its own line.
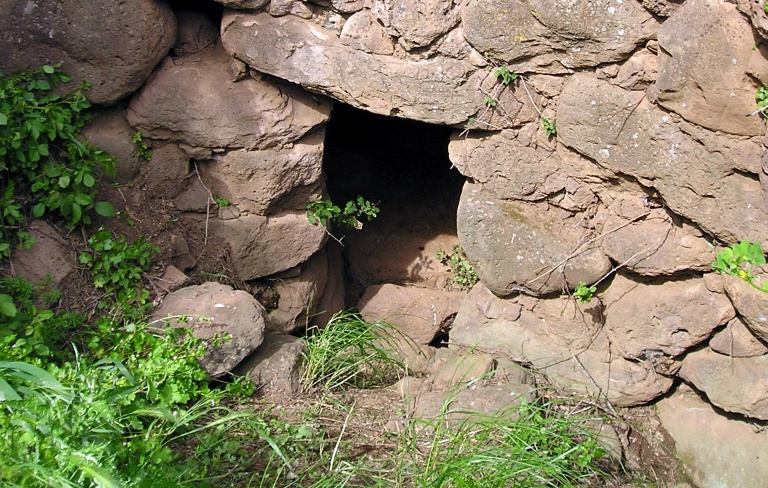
point(100, 477)
point(7, 392)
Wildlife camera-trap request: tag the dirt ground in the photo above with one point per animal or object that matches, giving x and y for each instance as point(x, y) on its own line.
point(363, 420)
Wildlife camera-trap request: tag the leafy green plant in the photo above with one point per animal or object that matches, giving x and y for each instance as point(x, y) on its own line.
point(550, 126)
point(505, 74)
point(10, 219)
point(489, 101)
point(88, 424)
point(741, 260)
point(117, 266)
point(222, 202)
point(765, 7)
point(7, 307)
point(43, 164)
point(462, 271)
point(348, 351)
point(324, 211)
point(761, 96)
point(110, 411)
point(584, 293)
point(27, 332)
point(141, 148)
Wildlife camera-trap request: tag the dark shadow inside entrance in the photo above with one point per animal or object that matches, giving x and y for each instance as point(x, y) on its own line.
point(402, 166)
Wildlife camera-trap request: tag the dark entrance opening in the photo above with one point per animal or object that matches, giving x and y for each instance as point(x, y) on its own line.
point(403, 166)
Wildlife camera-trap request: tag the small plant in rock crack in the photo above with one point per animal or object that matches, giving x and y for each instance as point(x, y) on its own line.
point(505, 74)
point(489, 101)
point(550, 126)
point(324, 212)
point(584, 293)
point(761, 97)
point(222, 202)
point(141, 148)
point(462, 271)
point(741, 260)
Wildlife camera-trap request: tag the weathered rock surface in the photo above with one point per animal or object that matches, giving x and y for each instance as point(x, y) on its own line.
point(662, 8)
point(172, 279)
point(639, 71)
point(263, 246)
point(268, 180)
point(537, 332)
point(710, 84)
point(483, 400)
point(738, 385)
point(417, 23)
point(363, 33)
point(195, 197)
point(440, 90)
point(670, 317)
point(419, 313)
point(331, 299)
point(737, 341)
point(113, 46)
point(756, 13)
point(512, 166)
point(624, 133)
point(716, 451)
point(181, 255)
point(555, 35)
point(651, 243)
point(179, 104)
point(50, 261)
point(527, 247)
point(243, 4)
point(347, 6)
point(275, 367)
point(213, 309)
point(164, 176)
point(450, 368)
point(750, 303)
point(416, 358)
point(109, 131)
point(299, 295)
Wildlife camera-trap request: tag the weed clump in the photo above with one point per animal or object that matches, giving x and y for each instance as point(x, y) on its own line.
point(462, 271)
point(349, 352)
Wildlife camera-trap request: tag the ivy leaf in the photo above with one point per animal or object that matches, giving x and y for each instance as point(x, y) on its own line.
point(3, 119)
point(88, 180)
point(105, 209)
point(38, 210)
point(77, 213)
point(7, 307)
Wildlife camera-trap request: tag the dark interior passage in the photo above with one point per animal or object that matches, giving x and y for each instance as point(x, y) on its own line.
point(402, 166)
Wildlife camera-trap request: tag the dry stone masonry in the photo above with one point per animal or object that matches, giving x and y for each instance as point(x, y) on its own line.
point(657, 161)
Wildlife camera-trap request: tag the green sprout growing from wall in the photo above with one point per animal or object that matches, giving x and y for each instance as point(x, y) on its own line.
point(324, 212)
point(741, 260)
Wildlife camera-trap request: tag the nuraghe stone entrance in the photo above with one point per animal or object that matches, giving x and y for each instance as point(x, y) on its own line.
point(402, 166)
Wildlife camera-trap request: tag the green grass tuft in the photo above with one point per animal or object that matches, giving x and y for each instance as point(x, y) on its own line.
point(349, 352)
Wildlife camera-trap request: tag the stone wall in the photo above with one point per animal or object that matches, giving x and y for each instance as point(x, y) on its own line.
point(658, 159)
point(655, 163)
